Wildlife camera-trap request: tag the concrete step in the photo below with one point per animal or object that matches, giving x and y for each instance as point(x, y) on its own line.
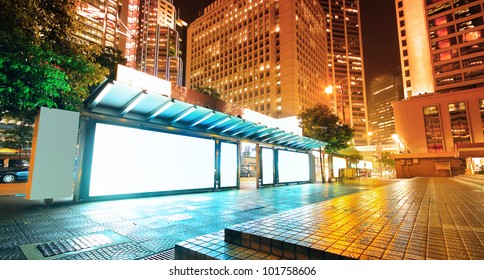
point(214, 247)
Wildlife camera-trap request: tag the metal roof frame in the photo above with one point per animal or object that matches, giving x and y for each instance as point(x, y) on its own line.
point(123, 101)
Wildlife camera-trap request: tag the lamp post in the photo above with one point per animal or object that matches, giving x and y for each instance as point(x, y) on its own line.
point(377, 149)
point(329, 90)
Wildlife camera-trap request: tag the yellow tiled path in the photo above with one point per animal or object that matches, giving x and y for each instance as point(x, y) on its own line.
point(421, 218)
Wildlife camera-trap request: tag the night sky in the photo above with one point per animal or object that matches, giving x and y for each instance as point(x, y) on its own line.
point(379, 31)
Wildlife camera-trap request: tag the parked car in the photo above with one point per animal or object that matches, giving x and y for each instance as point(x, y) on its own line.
point(245, 172)
point(11, 175)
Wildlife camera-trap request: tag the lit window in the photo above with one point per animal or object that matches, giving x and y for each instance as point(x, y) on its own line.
point(458, 122)
point(444, 43)
point(481, 109)
point(442, 32)
point(440, 20)
point(472, 36)
point(433, 130)
point(445, 55)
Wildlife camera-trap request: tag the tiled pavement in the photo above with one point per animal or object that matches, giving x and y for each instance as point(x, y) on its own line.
point(144, 227)
point(421, 218)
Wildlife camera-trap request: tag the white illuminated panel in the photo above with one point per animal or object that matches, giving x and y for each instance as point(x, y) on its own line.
point(293, 166)
point(267, 166)
point(129, 160)
point(228, 165)
point(142, 80)
point(337, 164)
point(288, 124)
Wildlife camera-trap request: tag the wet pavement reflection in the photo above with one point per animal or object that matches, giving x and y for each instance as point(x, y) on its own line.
point(421, 218)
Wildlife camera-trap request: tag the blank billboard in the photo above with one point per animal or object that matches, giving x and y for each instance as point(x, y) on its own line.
point(267, 166)
point(228, 164)
point(293, 166)
point(130, 160)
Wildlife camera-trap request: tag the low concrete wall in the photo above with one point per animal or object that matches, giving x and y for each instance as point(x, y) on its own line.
point(428, 167)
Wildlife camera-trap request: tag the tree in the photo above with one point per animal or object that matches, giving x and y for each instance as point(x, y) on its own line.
point(386, 159)
point(19, 137)
point(321, 124)
point(209, 91)
point(41, 62)
point(352, 154)
point(110, 58)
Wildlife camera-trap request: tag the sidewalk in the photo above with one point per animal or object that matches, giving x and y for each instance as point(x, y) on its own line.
point(143, 227)
point(417, 219)
point(421, 218)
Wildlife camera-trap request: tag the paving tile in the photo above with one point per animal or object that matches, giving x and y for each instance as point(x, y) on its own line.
point(435, 218)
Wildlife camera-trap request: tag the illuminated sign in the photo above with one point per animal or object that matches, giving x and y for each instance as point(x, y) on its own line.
point(129, 160)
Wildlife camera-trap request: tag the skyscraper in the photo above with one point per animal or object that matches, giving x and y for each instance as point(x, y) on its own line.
point(384, 90)
point(158, 41)
point(441, 122)
point(265, 55)
point(345, 62)
point(441, 45)
point(99, 19)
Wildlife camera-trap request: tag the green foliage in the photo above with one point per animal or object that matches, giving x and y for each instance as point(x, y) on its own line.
point(352, 154)
point(386, 159)
point(321, 124)
point(110, 58)
point(209, 91)
point(40, 62)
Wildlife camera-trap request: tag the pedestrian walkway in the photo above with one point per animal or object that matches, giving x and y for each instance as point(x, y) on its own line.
point(422, 218)
point(143, 227)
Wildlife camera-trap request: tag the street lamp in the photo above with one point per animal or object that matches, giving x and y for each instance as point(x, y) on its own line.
point(377, 149)
point(329, 90)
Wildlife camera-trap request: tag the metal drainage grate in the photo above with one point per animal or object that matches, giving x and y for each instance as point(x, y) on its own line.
point(53, 248)
point(165, 255)
point(69, 246)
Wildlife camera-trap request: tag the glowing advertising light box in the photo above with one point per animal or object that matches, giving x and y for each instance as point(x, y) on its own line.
point(130, 160)
point(228, 165)
point(293, 166)
point(267, 166)
point(143, 81)
point(337, 164)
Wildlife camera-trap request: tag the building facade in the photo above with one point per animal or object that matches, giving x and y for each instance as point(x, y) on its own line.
point(267, 56)
point(158, 41)
point(345, 63)
point(145, 31)
point(440, 134)
point(440, 126)
point(441, 45)
point(384, 90)
point(99, 20)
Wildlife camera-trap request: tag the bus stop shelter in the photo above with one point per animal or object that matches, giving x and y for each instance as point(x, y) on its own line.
point(134, 139)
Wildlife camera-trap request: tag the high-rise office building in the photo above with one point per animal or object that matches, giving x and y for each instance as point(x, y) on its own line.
point(265, 55)
point(384, 90)
point(129, 30)
point(345, 62)
point(99, 19)
point(441, 45)
point(158, 41)
point(145, 31)
point(440, 125)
